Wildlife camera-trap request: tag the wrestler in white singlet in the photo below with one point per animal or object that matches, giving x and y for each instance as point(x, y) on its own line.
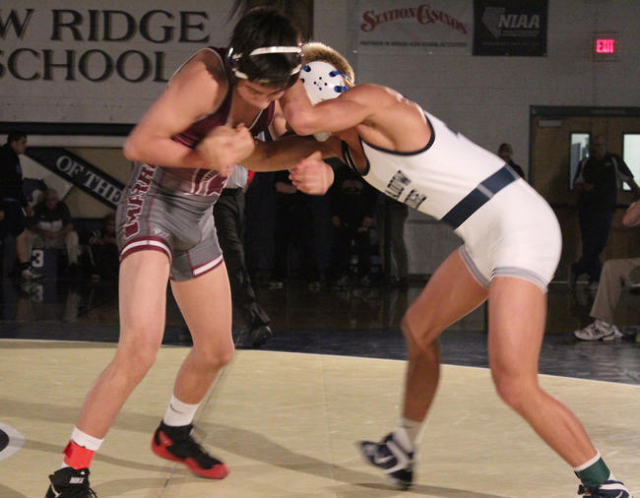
point(507, 227)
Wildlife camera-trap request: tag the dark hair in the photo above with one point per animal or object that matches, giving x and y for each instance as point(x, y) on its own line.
point(14, 136)
point(505, 147)
point(265, 27)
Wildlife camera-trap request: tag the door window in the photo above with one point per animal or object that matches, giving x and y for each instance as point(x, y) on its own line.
point(631, 155)
point(579, 150)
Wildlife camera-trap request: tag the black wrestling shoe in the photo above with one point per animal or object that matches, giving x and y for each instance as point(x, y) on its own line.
point(70, 483)
point(608, 489)
point(254, 338)
point(391, 458)
point(260, 334)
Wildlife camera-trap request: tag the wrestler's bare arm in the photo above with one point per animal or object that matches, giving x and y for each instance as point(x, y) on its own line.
point(284, 153)
point(309, 173)
point(378, 114)
point(194, 91)
point(349, 110)
point(301, 155)
point(288, 150)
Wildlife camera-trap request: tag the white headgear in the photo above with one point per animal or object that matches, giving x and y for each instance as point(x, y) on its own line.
point(322, 81)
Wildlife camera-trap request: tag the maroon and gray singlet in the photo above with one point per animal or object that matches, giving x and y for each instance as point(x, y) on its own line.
point(170, 209)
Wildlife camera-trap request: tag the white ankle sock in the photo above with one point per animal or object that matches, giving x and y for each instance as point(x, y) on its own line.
point(85, 440)
point(588, 463)
point(409, 433)
point(179, 413)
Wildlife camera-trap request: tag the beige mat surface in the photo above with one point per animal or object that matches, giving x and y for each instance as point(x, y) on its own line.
point(286, 425)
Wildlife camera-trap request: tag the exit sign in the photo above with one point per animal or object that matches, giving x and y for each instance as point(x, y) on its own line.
point(605, 46)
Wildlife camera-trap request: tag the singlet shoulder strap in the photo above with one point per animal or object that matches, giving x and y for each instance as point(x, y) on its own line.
point(348, 159)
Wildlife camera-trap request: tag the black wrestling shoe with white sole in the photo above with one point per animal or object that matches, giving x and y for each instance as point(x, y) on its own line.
point(390, 457)
point(608, 489)
point(70, 483)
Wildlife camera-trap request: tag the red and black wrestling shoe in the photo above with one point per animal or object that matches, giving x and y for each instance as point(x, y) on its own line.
point(177, 444)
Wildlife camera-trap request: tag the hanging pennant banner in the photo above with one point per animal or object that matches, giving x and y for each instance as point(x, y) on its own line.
point(442, 26)
point(510, 27)
point(78, 171)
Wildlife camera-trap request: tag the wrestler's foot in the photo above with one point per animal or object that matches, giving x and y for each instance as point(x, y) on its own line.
point(70, 483)
point(392, 458)
point(177, 444)
point(608, 489)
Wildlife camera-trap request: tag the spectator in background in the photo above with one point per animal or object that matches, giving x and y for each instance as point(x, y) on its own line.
point(295, 221)
point(616, 273)
point(51, 226)
point(229, 215)
point(353, 205)
point(393, 250)
point(103, 249)
point(259, 242)
point(14, 207)
point(596, 182)
point(505, 151)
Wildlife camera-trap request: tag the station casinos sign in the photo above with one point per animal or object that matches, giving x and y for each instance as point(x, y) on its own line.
point(413, 26)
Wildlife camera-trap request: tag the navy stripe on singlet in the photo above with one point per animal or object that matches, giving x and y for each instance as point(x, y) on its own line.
point(348, 159)
point(475, 199)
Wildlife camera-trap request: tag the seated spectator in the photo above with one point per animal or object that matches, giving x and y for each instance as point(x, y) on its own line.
point(51, 226)
point(616, 273)
point(104, 250)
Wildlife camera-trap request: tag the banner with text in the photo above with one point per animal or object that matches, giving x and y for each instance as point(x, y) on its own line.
point(510, 27)
point(78, 171)
point(86, 62)
point(438, 26)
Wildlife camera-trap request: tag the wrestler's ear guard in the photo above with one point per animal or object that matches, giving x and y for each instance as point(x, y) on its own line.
point(322, 82)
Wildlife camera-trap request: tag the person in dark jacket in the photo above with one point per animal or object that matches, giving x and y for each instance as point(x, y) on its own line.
point(14, 207)
point(596, 181)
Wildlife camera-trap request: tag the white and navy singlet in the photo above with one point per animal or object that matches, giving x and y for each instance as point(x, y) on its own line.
point(507, 227)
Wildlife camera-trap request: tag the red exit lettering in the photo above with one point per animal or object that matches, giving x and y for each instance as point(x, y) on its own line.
point(605, 46)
